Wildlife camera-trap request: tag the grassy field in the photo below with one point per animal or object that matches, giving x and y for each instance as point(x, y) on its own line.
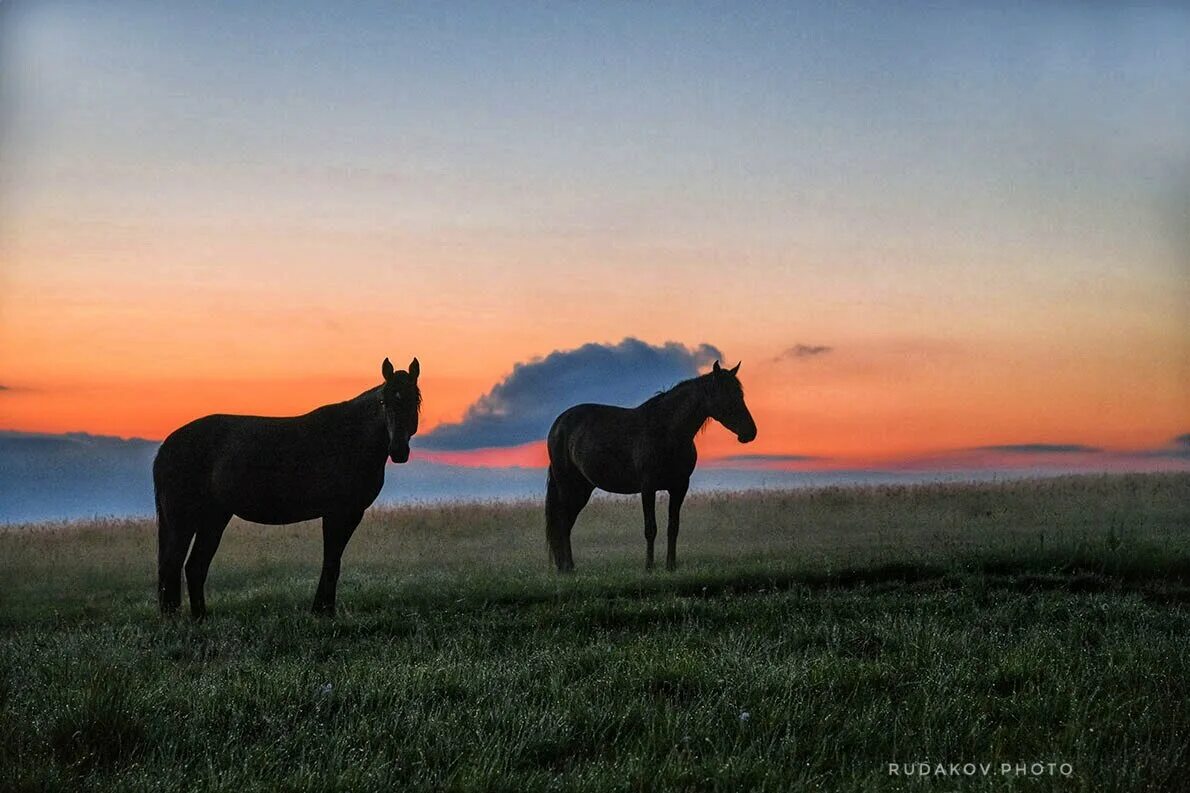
point(808, 640)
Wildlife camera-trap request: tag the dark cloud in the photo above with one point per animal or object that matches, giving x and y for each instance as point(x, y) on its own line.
point(1042, 448)
point(4, 387)
point(804, 351)
point(521, 407)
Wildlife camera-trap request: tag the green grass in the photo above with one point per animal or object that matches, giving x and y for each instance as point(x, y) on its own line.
point(808, 640)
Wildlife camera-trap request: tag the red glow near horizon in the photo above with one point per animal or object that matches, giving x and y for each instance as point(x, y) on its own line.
point(534, 455)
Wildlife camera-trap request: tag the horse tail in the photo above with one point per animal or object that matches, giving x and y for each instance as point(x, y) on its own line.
point(159, 506)
point(171, 550)
point(551, 509)
point(555, 519)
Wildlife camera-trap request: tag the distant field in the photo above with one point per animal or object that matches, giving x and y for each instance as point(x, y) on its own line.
point(809, 639)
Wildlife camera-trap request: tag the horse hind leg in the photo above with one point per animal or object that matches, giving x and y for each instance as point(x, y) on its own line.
point(209, 531)
point(563, 502)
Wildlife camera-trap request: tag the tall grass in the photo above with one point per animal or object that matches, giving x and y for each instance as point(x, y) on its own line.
point(809, 639)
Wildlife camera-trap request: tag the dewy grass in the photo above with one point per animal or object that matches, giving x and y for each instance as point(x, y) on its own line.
point(809, 640)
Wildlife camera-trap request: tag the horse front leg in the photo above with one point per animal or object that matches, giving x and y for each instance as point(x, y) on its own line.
point(649, 500)
point(676, 496)
point(336, 531)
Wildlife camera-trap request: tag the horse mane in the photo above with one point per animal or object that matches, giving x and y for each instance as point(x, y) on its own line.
point(374, 389)
point(673, 390)
point(651, 405)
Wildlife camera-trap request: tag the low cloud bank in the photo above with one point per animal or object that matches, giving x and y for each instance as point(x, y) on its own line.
point(44, 476)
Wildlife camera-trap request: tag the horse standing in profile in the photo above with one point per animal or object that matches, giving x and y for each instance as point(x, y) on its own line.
point(637, 450)
point(328, 463)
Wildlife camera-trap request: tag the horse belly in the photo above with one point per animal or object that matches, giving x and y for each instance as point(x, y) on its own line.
point(272, 492)
point(611, 472)
point(275, 514)
point(624, 485)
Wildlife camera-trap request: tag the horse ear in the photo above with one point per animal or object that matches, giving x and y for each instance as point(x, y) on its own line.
point(386, 369)
point(737, 368)
point(414, 368)
point(716, 367)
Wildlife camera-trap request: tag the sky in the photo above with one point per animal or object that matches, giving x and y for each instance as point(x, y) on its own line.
point(926, 232)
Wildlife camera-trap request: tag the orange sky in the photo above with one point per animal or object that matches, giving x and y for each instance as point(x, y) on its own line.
point(993, 255)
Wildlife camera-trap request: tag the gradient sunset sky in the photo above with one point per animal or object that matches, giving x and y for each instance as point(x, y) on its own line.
point(921, 229)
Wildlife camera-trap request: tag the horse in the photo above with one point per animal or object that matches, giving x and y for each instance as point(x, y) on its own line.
point(328, 464)
point(637, 450)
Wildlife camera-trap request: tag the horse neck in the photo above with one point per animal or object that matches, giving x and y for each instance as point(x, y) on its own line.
point(365, 416)
point(682, 410)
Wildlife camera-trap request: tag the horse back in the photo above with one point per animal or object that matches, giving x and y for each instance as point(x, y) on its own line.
point(611, 447)
point(270, 470)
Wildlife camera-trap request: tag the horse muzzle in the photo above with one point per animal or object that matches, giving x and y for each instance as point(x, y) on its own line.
point(399, 455)
point(747, 436)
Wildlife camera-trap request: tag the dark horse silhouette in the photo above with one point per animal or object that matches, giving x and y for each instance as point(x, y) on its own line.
point(637, 450)
point(326, 464)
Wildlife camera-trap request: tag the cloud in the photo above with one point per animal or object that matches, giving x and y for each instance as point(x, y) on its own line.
point(73, 475)
point(770, 458)
point(4, 387)
point(1041, 448)
point(764, 462)
point(47, 477)
point(78, 475)
point(521, 407)
point(1178, 448)
point(804, 351)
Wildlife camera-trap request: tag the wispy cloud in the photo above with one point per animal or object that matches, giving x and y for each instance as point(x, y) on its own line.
point(767, 462)
point(770, 458)
point(799, 351)
point(520, 408)
point(1178, 448)
point(1041, 448)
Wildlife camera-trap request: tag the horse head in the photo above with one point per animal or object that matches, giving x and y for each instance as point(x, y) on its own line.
point(400, 400)
point(725, 403)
